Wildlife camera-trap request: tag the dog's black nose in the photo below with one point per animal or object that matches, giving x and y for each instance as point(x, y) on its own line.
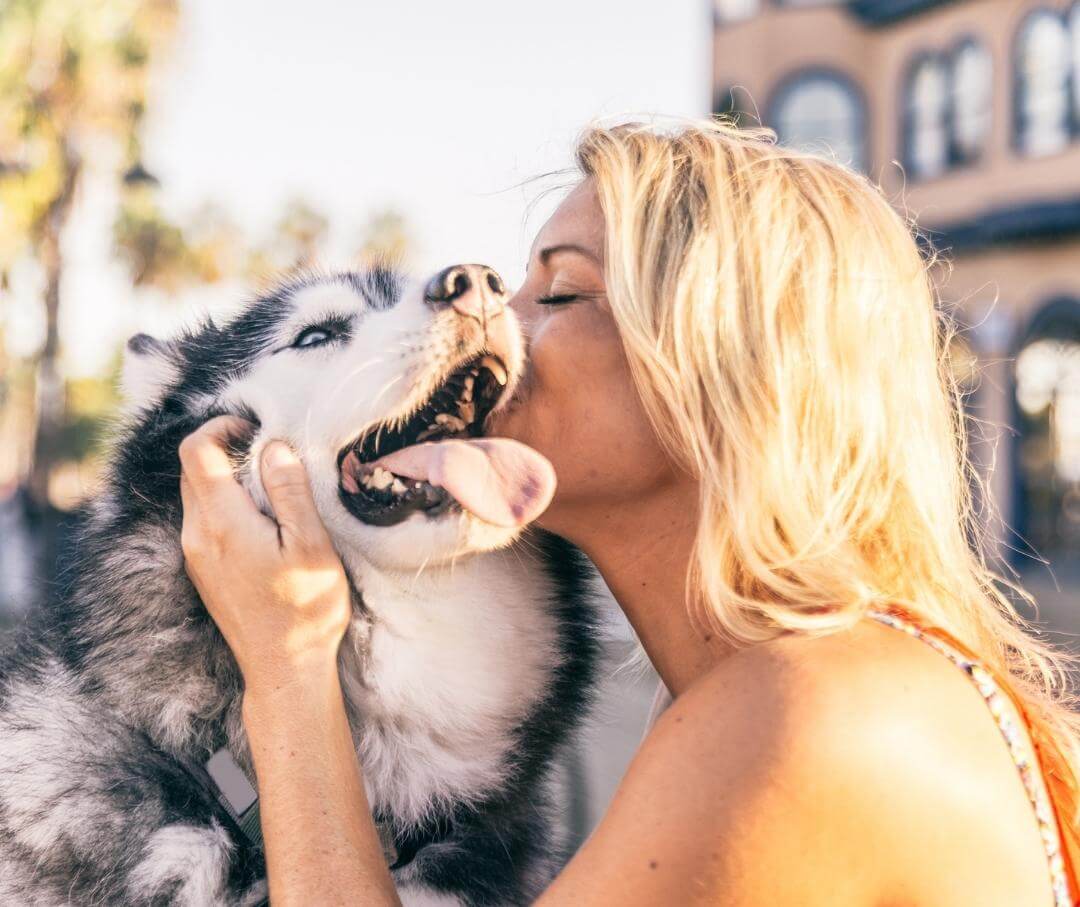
point(473, 290)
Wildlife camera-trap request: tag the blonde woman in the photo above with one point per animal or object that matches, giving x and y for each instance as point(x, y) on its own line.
point(736, 371)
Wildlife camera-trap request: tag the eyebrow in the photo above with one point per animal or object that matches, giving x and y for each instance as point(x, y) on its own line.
point(549, 251)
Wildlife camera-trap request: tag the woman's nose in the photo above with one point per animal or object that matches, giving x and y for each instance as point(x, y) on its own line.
point(475, 291)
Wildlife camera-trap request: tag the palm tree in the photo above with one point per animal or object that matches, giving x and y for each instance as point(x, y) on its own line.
point(72, 74)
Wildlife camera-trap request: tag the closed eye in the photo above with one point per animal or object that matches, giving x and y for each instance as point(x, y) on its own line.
point(558, 299)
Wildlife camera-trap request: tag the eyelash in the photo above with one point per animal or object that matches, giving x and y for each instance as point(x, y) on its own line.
point(560, 299)
point(333, 330)
point(299, 343)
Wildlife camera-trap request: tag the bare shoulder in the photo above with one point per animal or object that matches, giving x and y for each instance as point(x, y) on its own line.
point(867, 752)
point(859, 768)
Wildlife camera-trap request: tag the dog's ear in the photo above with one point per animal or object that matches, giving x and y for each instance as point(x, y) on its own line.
point(150, 367)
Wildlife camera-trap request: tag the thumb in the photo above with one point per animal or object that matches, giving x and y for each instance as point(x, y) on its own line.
point(287, 487)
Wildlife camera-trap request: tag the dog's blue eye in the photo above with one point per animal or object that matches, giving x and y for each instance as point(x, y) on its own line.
point(312, 337)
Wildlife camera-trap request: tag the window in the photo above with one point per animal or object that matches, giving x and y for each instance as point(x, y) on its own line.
point(1048, 410)
point(1043, 53)
point(947, 109)
point(728, 11)
point(971, 100)
point(927, 114)
point(821, 112)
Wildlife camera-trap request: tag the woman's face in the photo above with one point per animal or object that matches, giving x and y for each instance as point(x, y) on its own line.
point(577, 403)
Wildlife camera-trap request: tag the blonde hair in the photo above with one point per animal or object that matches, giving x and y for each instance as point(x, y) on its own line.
point(782, 331)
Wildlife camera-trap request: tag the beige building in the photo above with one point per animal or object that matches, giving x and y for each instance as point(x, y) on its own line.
point(968, 115)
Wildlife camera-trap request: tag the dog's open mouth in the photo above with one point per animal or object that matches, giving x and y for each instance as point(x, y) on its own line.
point(456, 410)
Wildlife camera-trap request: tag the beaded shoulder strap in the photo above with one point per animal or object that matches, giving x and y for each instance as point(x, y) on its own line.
point(1036, 763)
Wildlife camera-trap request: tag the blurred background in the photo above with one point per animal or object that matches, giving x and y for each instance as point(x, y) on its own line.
point(165, 158)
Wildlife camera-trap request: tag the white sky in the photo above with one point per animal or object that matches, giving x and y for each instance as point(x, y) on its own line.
point(436, 109)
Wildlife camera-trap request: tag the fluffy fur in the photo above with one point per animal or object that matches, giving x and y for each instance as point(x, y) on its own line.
point(467, 663)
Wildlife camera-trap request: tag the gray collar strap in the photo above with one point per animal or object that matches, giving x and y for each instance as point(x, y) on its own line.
point(239, 797)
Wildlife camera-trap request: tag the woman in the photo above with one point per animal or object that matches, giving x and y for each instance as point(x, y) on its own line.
point(735, 369)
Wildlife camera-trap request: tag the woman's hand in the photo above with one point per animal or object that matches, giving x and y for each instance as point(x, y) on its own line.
point(275, 589)
point(278, 592)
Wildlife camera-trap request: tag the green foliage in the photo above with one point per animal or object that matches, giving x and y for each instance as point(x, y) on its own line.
point(71, 72)
point(91, 407)
point(165, 254)
point(73, 78)
point(153, 247)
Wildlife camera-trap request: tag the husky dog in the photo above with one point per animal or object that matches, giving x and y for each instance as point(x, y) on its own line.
point(467, 663)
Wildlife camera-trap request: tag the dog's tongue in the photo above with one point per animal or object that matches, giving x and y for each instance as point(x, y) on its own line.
point(496, 479)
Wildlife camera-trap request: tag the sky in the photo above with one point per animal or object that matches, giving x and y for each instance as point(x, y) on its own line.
point(438, 110)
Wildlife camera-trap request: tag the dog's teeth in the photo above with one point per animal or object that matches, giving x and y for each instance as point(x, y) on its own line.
point(381, 479)
point(467, 412)
point(451, 422)
point(398, 487)
point(496, 368)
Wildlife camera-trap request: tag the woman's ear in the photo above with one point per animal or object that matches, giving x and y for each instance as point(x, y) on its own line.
point(151, 366)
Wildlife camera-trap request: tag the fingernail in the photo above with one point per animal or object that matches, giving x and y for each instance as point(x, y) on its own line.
point(278, 454)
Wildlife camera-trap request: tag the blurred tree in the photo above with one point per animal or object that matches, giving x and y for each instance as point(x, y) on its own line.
point(385, 239)
point(208, 246)
point(164, 254)
point(294, 242)
point(73, 73)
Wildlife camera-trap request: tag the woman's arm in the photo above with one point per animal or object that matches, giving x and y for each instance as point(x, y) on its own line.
point(321, 844)
point(283, 611)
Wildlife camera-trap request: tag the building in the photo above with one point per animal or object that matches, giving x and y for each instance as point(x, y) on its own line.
point(967, 113)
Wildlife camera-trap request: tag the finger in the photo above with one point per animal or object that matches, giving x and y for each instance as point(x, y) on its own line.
point(190, 521)
point(287, 487)
point(204, 461)
point(187, 498)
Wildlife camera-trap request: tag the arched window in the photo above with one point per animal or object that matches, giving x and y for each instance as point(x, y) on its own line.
point(821, 112)
point(926, 106)
point(728, 11)
point(1048, 404)
point(971, 100)
point(1043, 62)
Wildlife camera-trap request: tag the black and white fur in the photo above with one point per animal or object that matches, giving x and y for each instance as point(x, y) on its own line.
point(467, 664)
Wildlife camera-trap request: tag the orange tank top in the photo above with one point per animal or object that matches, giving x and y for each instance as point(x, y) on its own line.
point(1050, 784)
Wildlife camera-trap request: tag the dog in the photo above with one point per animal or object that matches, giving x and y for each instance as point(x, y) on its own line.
point(466, 668)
